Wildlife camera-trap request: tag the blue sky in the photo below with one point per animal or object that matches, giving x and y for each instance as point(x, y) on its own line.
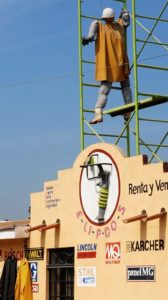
point(40, 122)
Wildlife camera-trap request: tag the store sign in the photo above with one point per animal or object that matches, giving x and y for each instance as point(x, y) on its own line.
point(140, 273)
point(50, 200)
point(19, 254)
point(86, 250)
point(86, 276)
point(99, 189)
point(147, 245)
point(33, 268)
point(34, 253)
point(147, 188)
point(113, 253)
point(99, 168)
point(35, 288)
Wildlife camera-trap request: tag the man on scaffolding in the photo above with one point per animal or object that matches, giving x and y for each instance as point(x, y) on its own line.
point(111, 58)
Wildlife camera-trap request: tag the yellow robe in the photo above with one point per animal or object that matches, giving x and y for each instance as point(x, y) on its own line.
point(23, 289)
point(110, 53)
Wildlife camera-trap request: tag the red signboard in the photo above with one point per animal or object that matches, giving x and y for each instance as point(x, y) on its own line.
point(35, 288)
point(19, 254)
point(91, 254)
point(113, 252)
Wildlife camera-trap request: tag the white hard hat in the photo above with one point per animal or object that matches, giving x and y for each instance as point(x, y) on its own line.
point(108, 13)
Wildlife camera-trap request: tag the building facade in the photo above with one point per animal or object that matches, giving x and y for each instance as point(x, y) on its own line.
point(99, 230)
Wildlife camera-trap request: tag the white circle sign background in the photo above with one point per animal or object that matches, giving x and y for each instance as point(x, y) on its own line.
point(89, 191)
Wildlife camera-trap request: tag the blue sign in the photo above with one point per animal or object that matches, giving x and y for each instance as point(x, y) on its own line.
point(89, 280)
point(33, 268)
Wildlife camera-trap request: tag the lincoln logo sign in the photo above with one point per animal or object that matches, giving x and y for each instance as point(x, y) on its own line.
point(86, 250)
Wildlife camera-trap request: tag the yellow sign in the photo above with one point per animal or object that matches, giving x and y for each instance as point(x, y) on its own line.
point(34, 253)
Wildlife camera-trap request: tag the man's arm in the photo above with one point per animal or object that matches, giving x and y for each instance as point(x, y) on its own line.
point(92, 33)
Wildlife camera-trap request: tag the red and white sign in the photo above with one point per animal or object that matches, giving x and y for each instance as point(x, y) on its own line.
point(35, 288)
point(91, 254)
point(19, 254)
point(113, 253)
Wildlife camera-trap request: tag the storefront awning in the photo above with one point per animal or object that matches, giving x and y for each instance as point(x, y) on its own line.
point(14, 229)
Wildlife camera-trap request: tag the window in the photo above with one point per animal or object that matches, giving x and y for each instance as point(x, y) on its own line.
point(61, 274)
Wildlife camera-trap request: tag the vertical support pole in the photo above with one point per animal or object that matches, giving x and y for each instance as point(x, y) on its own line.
point(153, 27)
point(135, 78)
point(125, 7)
point(127, 130)
point(128, 141)
point(80, 75)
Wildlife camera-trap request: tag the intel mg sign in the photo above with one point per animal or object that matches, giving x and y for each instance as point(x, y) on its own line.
point(140, 273)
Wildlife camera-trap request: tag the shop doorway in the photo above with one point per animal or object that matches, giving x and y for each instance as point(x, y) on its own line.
point(61, 274)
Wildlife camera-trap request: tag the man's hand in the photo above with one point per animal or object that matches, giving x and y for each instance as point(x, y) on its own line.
point(124, 15)
point(85, 41)
point(123, 11)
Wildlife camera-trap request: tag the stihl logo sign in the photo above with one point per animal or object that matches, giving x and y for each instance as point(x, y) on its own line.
point(113, 252)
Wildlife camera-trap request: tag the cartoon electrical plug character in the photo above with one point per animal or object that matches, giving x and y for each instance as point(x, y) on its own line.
point(98, 173)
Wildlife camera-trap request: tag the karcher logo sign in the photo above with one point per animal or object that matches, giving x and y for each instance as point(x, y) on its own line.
point(113, 253)
point(147, 245)
point(141, 273)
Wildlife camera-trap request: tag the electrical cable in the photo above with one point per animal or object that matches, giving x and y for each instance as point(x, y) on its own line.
point(66, 75)
point(38, 80)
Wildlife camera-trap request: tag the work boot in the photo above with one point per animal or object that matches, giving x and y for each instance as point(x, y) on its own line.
point(127, 116)
point(97, 117)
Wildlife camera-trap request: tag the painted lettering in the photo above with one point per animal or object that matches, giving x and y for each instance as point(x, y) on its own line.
point(107, 232)
point(161, 186)
point(121, 209)
point(113, 225)
point(87, 247)
point(98, 233)
point(85, 227)
point(137, 189)
point(147, 245)
point(19, 254)
point(79, 214)
point(151, 189)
